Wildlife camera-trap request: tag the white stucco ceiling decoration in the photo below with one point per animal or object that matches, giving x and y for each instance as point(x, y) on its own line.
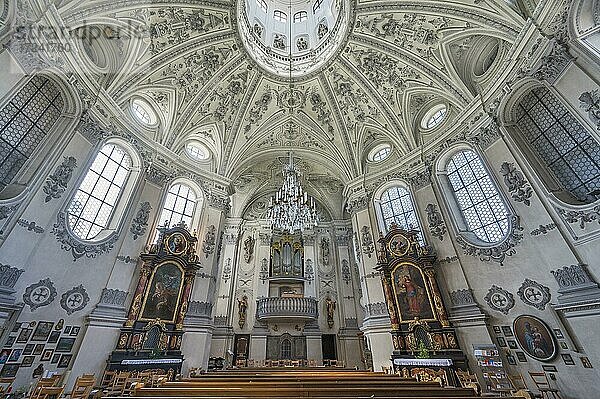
point(397, 59)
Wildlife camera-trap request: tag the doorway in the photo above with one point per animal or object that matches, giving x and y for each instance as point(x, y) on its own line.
point(328, 346)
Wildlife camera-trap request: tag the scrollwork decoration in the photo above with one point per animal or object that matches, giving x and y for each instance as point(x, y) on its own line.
point(437, 227)
point(140, 222)
point(514, 180)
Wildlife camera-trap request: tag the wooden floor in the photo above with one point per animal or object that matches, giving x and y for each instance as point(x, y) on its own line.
point(316, 383)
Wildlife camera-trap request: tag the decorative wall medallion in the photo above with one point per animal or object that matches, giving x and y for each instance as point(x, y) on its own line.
point(437, 227)
point(227, 270)
point(78, 248)
point(39, 294)
point(543, 229)
point(499, 252)
point(9, 276)
point(514, 180)
point(112, 296)
point(140, 221)
point(590, 102)
point(208, 245)
point(74, 300)
point(367, 241)
point(462, 297)
point(500, 299)
point(56, 183)
point(30, 226)
point(248, 248)
point(346, 271)
point(534, 294)
point(309, 271)
point(6, 210)
point(325, 250)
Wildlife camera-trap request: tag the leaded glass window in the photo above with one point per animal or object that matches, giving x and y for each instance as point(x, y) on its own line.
point(397, 207)
point(94, 202)
point(24, 122)
point(561, 142)
point(477, 197)
point(179, 206)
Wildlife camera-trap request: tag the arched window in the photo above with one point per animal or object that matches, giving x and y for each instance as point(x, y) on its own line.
point(24, 122)
point(300, 16)
point(397, 207)
point(92, 206)
point(477, 198)
point(561, 143)
point(279, 16)
point(179, 206)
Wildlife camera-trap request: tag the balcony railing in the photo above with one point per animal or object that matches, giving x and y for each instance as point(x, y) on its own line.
point(287, 308)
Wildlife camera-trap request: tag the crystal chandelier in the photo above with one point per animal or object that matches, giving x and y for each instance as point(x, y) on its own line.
point(292, 209)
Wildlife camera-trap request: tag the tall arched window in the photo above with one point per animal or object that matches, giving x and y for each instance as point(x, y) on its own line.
point(24, 122)
point(93, 204)
point(477, 197)
point(561, 143)
point(286, 349)
point(179, 206)
point(396, 206)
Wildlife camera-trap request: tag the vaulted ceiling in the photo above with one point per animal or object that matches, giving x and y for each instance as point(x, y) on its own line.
point(397, 60)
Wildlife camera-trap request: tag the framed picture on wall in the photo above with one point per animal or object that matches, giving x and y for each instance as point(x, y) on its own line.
point(568, 359)
point(549, 368)
point(28, 349)
point(563, 345)
point(67, 329)
point(497, 330)
point(558, 333)
point(47, 355)
point(512, 344)
point(24, 335)
point(507, 331)
point(15, 355)
point(75, 330)
point(511, 360)
point(27, 361)
point(585, 361)
point(54, 336)
point(535, 338)
point(9, 370)
point(39, 348)
point(42, 331)
point(521, 356)
point(10, 341)
point(4, 355)
point(17, 327)
point(55, 358)
point(501, 342)
point(65, 344)
point(64, 361)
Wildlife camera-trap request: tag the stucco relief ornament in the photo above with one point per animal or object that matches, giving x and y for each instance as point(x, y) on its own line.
point(534, 294)
point(590, 102)
point(9, 275)
point(499, 299)
point(309, 272)
point(514, 180)
point(140, 222)
point(57, 182)
point(437, 227)
point(346, 272)
point(367, 241)
point(248, 248)
point(78, 248)
point(39, 294)
point(325, 250)
point(264, 270)
point(208, 246)
point(74, 300)
point(227, 270)
point(6, 210)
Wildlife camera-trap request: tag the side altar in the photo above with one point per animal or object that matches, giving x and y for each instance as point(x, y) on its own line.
point(151, 337)
point(425, 344)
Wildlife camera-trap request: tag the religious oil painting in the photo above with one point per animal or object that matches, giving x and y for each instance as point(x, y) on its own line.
point(163, 294)
point(411, 293)
point(534, 337)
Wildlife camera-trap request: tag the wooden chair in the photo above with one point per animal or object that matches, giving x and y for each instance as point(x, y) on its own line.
point(131, 384)
point(468, 380)
point(48, 392)
point(45, 383)
point(107, 378)
point(6, 386)
point(540, 379)
point(118, 384)
point(428, 375)
point(82, 387)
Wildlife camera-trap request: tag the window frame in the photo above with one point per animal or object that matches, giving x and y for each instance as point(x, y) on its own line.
point(300, 16)
point(460, 224)
point(378, 202)
point(280, 16)
point(122, 208)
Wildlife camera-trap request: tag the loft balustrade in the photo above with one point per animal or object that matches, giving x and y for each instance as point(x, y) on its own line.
point(287, 308)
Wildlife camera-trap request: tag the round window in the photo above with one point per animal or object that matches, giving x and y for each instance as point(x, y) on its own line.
point(380, 153)
point(197, 151)
point(434, 117)
point(143, 112)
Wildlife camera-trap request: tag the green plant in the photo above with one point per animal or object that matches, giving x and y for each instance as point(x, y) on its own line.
point(423, 351)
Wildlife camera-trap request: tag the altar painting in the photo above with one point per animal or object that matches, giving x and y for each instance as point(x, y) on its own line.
point(412, 296)
point(162, 296)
